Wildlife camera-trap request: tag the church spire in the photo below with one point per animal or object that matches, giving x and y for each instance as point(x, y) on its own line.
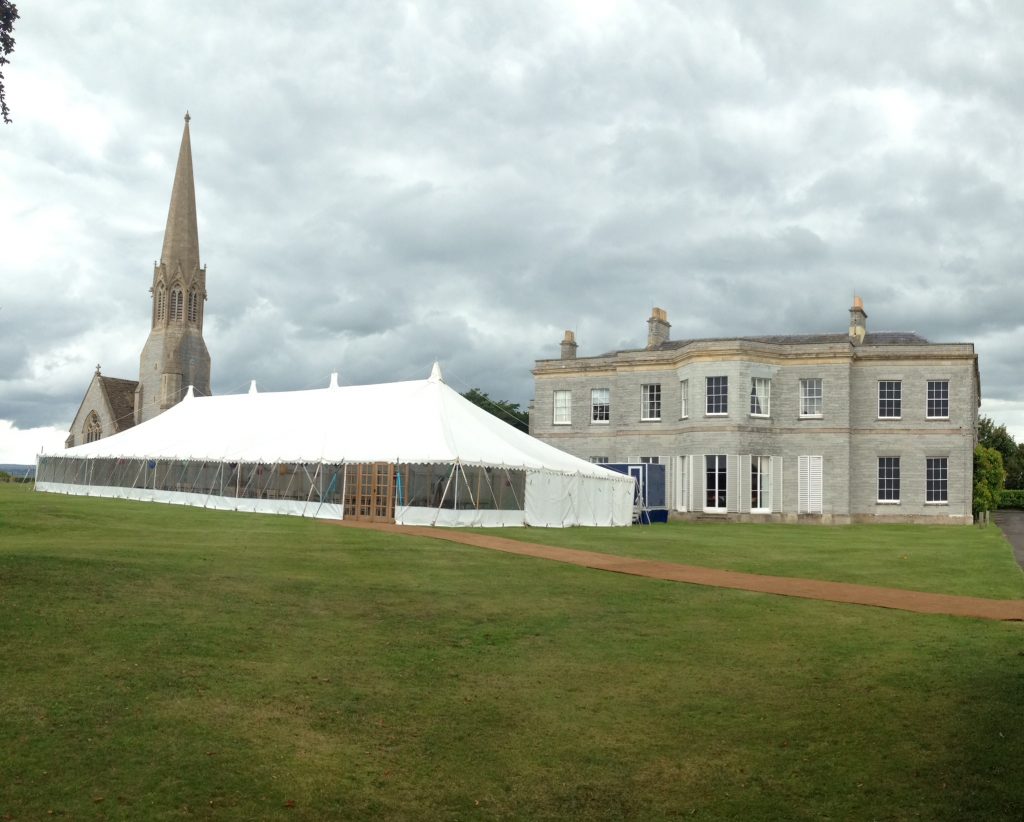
point(175, 355)
point(181, 237)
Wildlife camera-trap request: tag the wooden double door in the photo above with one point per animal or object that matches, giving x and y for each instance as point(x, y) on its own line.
point(370, 492)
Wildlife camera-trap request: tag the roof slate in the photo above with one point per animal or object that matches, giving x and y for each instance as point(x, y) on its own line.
point(876, 338)
point(121, 396)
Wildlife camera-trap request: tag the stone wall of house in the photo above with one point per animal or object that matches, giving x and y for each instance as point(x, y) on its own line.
point(849, 436)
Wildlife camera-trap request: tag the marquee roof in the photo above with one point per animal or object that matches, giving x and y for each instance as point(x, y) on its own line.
point(419, 421)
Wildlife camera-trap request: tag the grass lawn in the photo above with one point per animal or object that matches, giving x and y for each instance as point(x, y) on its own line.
point(165, 662)
point(946, 559)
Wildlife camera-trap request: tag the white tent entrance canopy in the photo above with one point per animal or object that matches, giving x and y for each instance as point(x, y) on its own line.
point(415, 453)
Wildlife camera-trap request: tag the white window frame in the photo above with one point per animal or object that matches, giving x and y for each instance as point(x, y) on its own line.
point(929, 399)
point(891, 480)
point(600, 460)
point(806, 396)
point(764, 398)
point(896, 397)
point(650, 402)
point(684, 399)
point(763, 489)
point(708, 396)
point(650, 460)
point(565, 407)
point(721, 484)
point(930, 477)
point(595, 405)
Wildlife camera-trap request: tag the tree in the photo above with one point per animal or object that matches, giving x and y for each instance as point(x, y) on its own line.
point(998, 438)
point(988, 479)
point(510, 412)
point(8, 14)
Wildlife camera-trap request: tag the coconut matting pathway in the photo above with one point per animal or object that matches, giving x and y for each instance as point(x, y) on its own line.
point(916, 601)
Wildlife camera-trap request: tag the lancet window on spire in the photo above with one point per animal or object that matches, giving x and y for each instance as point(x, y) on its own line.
point(161, 302)
point(177, 305)
point(193, 306)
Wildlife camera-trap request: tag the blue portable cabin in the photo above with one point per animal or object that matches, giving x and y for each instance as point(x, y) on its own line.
point(649, 498)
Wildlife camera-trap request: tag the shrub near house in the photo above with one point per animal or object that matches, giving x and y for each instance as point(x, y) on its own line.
point(1011, 498)
point(988, 479)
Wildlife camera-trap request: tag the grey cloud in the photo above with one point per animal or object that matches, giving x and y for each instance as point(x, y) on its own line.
point(400, 182)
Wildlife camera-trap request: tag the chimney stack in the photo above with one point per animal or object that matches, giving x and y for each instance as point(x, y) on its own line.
point(569, 346)
point(657, 328)
point(858, 321)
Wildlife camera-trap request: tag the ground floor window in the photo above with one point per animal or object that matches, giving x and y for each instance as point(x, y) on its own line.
point(937, 479)
point(716, 482)
point(650, 460)
point(888, 479)
point(760, 483)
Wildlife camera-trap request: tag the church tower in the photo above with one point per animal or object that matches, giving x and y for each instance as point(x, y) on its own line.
point(175, 355)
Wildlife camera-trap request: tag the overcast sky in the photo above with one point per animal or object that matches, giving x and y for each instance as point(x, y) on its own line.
point(384, 184)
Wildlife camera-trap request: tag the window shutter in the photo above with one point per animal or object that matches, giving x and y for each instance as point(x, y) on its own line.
point(744, 483)
point(802, 475)
point(733, 491)
point(814, 494)
point(775, 486)
point(810, 481)
point(691, 504)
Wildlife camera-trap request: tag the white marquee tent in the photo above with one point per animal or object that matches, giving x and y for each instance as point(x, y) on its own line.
point(416, 453)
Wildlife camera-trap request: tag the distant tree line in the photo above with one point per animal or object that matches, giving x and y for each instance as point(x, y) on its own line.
point(998, 468)
point(999, 439)
point(510, 412)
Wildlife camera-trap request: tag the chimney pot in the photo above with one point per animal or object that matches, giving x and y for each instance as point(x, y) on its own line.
point(569, 346)
point(658, 328)
point(858, 321)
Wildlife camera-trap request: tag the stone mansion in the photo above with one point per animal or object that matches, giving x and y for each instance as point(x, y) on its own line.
point(845, 427)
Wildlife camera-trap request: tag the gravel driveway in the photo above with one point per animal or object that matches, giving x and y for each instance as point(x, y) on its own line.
point(1011, 523)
